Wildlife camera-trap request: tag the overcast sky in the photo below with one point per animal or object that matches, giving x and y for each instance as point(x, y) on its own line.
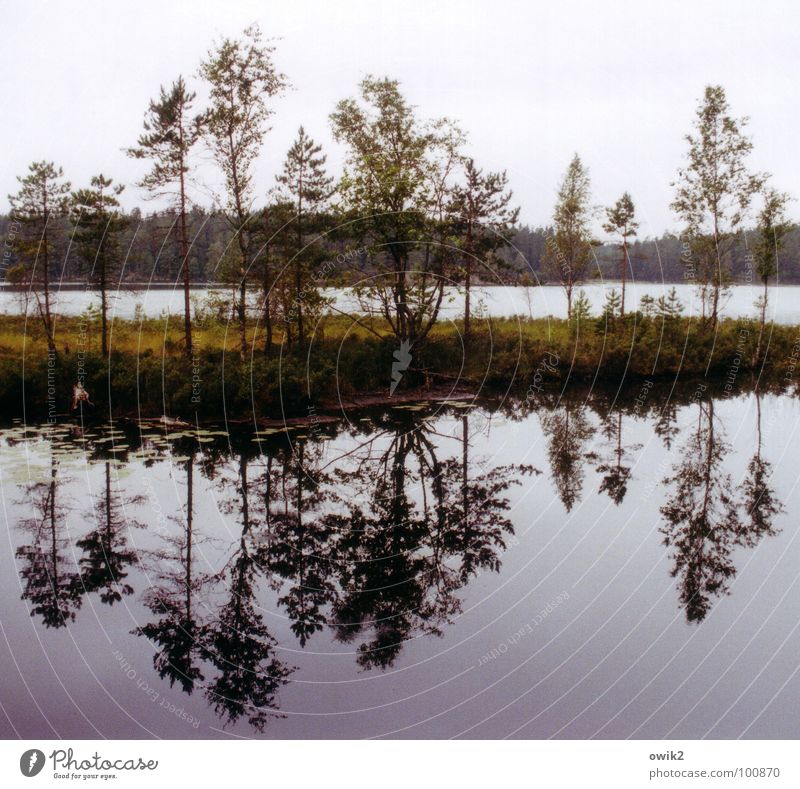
point(531, 82)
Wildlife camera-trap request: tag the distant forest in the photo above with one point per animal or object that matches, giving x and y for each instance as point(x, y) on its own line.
point(151, 244)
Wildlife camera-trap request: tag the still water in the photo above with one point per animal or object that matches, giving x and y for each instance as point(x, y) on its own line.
point(580, 567)
point(497, 301)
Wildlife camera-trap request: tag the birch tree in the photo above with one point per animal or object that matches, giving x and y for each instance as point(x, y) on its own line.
point(242, 79)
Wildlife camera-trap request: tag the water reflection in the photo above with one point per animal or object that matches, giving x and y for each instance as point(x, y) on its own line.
point(50, 583)
point(703, 513)
point(175, 583)
point(368, 532)
point(568, 431)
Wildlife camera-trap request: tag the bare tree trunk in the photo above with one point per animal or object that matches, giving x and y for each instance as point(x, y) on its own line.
point(48, 318)
point(568, 288)
point(623, 272)
point(103, 310)
point(187, 313)
point(189, 519)
point(266, 285)
point(467, 280)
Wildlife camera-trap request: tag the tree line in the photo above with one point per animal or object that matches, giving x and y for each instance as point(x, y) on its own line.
point(421, 213)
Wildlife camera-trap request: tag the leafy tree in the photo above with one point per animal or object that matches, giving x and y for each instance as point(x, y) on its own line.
point(483, 221)
point(307, 186)
point(98, 225)
point(621, 222)
point(569, 247)
point(170, 133)
point(395, 187)
point(713, 193)
point(43, 196)
point(772, 229)
point(242, 78)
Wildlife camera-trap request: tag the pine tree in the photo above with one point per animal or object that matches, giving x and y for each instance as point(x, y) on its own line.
point(307, 186)
point(170, 134)
point(647, 305)
point(622, 223)
point(242, 78)
point(669, 307)
point(568, 249)
point(581, 310)
point(612, 309)
point(43, 197)
point(98, 225)
point(483, 221)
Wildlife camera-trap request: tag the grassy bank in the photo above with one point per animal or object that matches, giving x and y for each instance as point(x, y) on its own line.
point(148, 373)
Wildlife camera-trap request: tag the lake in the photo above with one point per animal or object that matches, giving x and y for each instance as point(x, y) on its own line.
point(583, 566)
point(497, 301)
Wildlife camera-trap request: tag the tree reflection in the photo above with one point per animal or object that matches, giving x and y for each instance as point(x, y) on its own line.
point(301, 553)
point(760, 502)
point(616, 471)
point(567, 429)
point(177, 631)
point(703, 523)
point(104, 567)
point(407, 545)
point(238, 643)
point(51, 585)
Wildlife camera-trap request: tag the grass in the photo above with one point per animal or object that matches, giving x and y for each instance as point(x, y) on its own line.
point(148, 373)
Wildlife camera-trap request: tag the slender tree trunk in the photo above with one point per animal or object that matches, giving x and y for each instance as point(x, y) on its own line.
point(265, 286)
point(298, 274)
point(568, 288)
point(242, 308)
point(108, 507)
point(187, 309)
point(103, 310)
point(465, 467)
point(48, 318)
point(467, 281)
point(762, 325)
point(623, 272)
point(189, 519)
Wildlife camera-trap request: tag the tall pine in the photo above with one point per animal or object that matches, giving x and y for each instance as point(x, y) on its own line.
point(170, 133)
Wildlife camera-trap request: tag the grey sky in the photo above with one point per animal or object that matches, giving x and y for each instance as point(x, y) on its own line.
point(531, 82)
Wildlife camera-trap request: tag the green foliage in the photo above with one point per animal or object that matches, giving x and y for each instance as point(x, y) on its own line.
point(611, 311)
point(772, 230)
point(98, 224)
point(568, 249)
point(621, 222)
point(241, 78)
point(581, 310)
point(713, 192)
point(43, 196)
point(306, 188)
point(395, 188)
point(669, 307)
point(647, 306)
